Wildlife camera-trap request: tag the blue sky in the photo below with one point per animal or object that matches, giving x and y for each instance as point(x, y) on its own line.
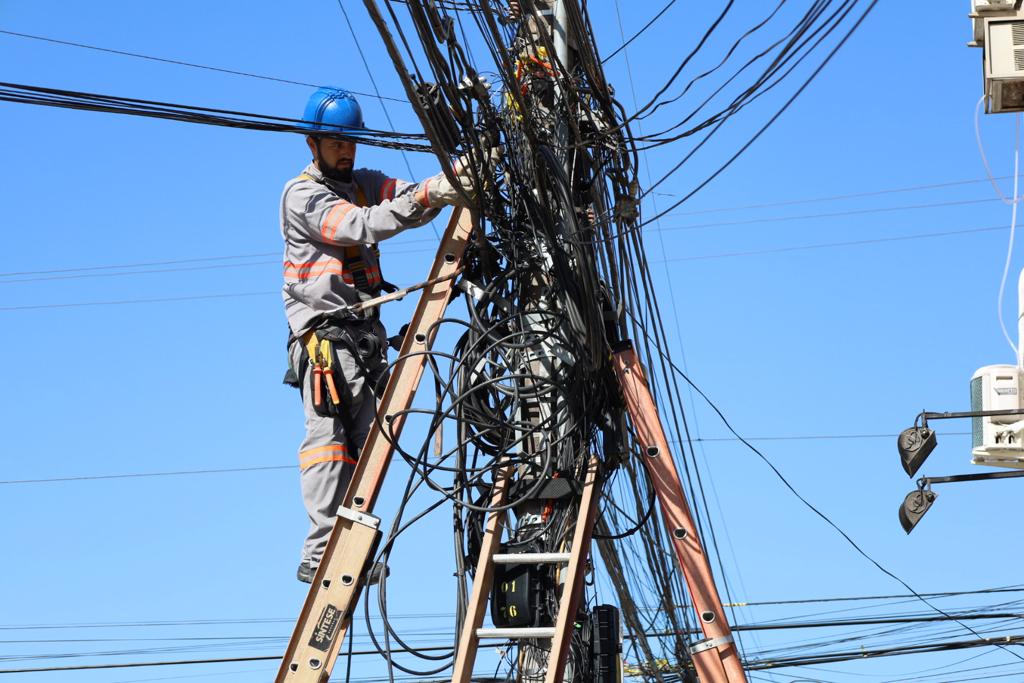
point(843, 340)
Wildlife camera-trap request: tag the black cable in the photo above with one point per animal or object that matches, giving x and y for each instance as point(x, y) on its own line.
point(373, 82)
point(771, 121)
point(636, 35)
point(78, 100)
point(818, 512)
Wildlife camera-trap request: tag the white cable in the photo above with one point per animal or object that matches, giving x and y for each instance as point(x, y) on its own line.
point(984, 159)
point(1013, 228)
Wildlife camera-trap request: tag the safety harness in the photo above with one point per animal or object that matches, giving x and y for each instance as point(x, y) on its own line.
point(352, 260)
point(318, 345)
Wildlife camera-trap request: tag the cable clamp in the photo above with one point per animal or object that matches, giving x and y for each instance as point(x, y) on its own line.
point(710, 643)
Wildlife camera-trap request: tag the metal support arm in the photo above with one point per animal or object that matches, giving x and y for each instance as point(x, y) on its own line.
point(925, 415)
point(922, 482)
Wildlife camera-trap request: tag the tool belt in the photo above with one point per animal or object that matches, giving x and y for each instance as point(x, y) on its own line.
point(323, 352)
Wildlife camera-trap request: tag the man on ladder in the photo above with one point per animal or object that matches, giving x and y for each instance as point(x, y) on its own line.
point(332, 217)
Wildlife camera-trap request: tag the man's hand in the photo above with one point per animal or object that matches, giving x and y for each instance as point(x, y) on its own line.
point(439, 191)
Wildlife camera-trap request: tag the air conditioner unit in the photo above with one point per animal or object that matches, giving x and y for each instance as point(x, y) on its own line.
point(997, 440)
point(987, 8)
point(1004, 63)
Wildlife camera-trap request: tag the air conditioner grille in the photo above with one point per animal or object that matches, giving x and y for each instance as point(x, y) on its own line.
point(1018, 59)
point(977, 404)
point(1017, 28)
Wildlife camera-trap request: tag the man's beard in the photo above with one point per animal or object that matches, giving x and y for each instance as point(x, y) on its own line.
point(343, 175)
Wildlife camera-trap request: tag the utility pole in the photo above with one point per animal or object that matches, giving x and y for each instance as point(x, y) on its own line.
point(531, 560)
point(545, 357)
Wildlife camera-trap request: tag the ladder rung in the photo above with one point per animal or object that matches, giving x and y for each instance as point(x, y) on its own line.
point(531, 558)
point(517, 633)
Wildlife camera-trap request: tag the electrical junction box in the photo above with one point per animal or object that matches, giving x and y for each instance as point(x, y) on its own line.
point(997, 440)
point(605, 645)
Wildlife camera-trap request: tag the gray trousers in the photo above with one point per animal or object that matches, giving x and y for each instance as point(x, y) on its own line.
point(328, 453)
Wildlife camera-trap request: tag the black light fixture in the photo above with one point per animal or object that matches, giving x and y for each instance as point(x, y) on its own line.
point(915, 445)
point(914, 507)
point(918, 502)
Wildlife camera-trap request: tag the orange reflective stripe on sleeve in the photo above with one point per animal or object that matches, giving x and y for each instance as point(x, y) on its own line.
point(333, 219)
point(333, 453)
point(387, 190)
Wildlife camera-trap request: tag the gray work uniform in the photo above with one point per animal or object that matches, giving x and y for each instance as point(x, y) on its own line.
point(329, 229)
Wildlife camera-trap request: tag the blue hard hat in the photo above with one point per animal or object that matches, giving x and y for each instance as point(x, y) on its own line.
point(334, 109)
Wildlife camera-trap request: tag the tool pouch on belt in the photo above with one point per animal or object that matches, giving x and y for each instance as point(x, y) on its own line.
point(323, 375)
point(345, 360)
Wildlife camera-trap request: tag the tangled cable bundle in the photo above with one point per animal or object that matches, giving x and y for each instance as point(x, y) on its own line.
point(555, 277)
point(529, 384)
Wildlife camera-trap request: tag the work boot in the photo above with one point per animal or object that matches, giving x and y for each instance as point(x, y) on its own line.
point(306, 572)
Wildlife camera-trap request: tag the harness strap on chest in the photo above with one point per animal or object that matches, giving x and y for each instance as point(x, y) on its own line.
point(353, 261)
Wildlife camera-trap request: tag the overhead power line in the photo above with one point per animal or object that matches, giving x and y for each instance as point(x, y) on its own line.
point(127, 302)
point(832, 245)
point(864, 653)
point(446, 615)
point(833, 198)
point(833, 214)
point(817, 511)
point(179, 62)
point(130, 475)
point(898, 596)
point(77, 274)
point(404, 242)
point(816, 437)
point(771, 121)
point(140, 264)
point(136, 665)
point(138, 475)
point(762, 664)
point(373, 82)
point(150, 271)
point(636, 35)
point(702, 257)
point(112, 104)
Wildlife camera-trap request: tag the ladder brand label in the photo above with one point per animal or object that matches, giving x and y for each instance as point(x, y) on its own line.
point(326, 628)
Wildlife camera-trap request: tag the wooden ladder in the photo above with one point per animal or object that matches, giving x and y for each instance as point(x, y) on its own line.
point(334, 593)
point(575, 562)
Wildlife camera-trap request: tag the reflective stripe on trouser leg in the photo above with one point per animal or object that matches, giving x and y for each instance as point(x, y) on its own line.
point(327, 459)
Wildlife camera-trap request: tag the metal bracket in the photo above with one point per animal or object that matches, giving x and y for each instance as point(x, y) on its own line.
point(957, 478)
point(925, 415)
point(710, 643)
point(477, 292)
point(359, 517)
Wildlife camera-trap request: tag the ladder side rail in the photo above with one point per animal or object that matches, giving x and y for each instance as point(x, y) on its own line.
point(328, 595)
point(716, 659)
point(469, 642)
point(572, 591)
